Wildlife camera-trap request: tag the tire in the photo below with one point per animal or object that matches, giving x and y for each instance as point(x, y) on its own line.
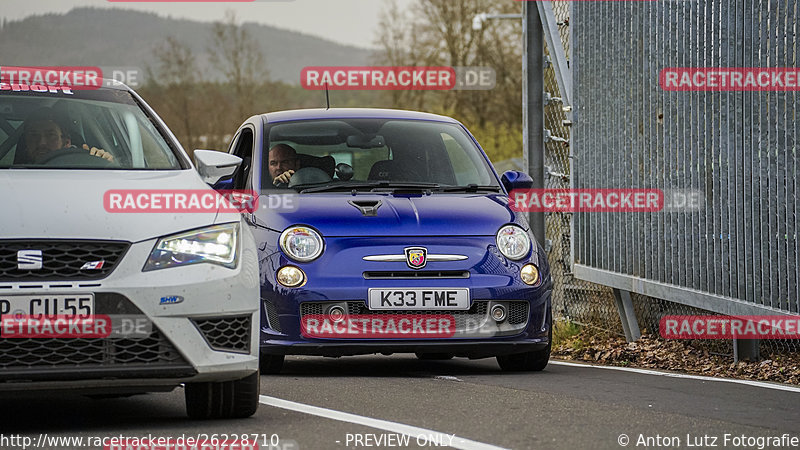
point(434, 356)
point(223, 400)
point(533, 361)
point(271, 364)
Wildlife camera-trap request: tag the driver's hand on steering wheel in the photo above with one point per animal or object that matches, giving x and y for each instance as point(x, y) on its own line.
point(283, 178)
point(100, 152)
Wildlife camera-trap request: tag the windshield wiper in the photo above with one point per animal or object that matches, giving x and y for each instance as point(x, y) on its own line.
point(338, 187)
point(371, 185)
point(470, 188)
point(394, 186)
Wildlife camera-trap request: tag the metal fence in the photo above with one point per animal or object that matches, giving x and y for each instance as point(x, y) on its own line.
point(573, 299)
point(737, 255)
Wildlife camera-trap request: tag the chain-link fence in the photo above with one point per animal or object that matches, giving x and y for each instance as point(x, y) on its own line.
point(575, 300)
point(580, 301)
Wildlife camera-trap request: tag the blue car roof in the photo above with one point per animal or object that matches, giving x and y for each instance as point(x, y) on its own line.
point(352, 113)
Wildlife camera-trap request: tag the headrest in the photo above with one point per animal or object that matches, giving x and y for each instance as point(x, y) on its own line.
point(325, 163)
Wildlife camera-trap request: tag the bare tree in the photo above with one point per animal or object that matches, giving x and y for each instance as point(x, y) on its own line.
point(237, 56)
point(176, 74)
point(440, 33)
point(401, 46)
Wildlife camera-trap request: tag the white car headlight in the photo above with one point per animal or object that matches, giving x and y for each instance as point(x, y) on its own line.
point(513, 242)
point(215, 245)
point(301, 244)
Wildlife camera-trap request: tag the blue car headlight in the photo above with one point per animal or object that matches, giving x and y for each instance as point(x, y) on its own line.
point(215, 245)
point(302, 244)
point(513, 242)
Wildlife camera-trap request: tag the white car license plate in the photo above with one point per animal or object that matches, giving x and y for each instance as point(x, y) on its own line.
point(419, 299)
point(80, 305)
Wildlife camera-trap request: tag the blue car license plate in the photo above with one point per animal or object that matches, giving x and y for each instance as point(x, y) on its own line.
point(419, 299)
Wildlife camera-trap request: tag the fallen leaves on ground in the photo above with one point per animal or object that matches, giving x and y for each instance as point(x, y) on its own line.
point(675, 355)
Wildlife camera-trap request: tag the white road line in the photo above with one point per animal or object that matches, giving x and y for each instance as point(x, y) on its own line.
point(394, 427)
point(779, 387)
point(447, 378)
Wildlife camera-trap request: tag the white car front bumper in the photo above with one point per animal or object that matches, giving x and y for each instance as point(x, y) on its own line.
point(211, 334)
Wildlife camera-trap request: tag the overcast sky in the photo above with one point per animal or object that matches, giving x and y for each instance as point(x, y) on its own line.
point(351, 22)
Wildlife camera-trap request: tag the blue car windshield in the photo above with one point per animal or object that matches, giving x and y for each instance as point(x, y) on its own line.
point(387, 152)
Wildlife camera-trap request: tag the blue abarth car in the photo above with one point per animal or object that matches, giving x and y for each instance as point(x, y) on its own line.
point(385, 231)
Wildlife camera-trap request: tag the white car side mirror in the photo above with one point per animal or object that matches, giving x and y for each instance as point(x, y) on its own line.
point(213, 165)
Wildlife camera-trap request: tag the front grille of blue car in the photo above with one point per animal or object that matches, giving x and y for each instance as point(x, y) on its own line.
point(272, 316)
point(517, 312)
point(478, 313)
point(413, 274)
point(56, 259)
point(359, 307)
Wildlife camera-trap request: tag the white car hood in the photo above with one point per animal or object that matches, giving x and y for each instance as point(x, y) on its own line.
point(68, 204)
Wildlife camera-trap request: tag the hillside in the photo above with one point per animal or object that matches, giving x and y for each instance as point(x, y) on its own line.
point(114, 37)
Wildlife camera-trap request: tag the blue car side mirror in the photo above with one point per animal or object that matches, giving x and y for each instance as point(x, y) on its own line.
point(514, 179)
point(224, 184)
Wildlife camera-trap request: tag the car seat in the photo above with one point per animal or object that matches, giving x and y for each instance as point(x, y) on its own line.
point(325, 163)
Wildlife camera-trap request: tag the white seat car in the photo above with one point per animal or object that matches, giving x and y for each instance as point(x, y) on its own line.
point(121, 270)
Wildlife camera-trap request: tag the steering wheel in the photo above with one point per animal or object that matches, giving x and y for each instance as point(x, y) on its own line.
point(74, 156)
point(309, 175)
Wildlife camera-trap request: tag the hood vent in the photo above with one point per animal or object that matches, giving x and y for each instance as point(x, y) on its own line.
point(369, 208)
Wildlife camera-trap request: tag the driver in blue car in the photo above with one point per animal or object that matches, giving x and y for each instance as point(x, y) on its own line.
point(283, 162)
point(44, 133)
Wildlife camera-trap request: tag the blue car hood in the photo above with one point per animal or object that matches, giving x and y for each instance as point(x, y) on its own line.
point(402, 215)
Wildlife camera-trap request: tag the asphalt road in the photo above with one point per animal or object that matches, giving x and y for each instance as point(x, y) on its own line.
point(380, 402)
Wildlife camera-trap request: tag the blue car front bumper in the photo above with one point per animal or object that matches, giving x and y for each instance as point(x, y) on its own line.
point(342, 277)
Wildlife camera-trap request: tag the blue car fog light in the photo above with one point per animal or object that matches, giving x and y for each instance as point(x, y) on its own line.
point(529, 274)
point(291, 276)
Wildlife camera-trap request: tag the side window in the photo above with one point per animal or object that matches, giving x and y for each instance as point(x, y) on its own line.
point(243, 148)
point(463, 162)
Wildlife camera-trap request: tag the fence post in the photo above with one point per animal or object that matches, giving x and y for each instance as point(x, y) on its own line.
point(627, 315)
point(746, 350)
point(533, 108)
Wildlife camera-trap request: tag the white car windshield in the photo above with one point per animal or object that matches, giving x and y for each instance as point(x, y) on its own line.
point(97, 129)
